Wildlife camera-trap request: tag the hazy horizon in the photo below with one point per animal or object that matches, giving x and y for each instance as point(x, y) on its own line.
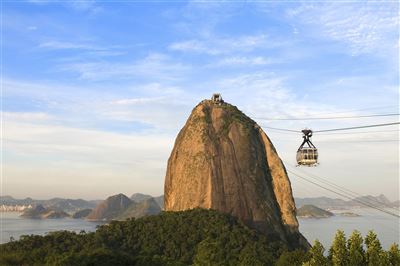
point(130, 194)
point(95, 93)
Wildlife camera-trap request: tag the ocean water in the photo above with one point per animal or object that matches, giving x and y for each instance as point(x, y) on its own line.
point(11, 225)
point(387, 227)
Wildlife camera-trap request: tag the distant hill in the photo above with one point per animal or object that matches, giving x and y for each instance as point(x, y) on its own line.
point(380, 201)
point(321, 202)
point(329, 203)
point(10, 201)
point(143, 208)
point(51, 214)
point(138, 197)
point(120, 207)
point(160, 201)
point(68, 205)
point(35, 213)
point(311, 211)
point(40, 212)
point(110, 208)
point(81, 214)
point(56, 204)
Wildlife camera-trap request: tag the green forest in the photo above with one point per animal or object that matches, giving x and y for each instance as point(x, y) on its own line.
point(194, 237)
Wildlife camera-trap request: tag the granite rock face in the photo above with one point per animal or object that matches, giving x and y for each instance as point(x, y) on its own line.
point(223, 160)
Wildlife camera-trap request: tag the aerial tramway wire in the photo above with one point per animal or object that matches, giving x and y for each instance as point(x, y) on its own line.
point(283, 129)
point(362, 109)
point(344, 195)
point(335, 129)
point(344, 190)
point(367, 210)
point(349, 128)
point(361, 132)
point(326, 118)
point(362, 141)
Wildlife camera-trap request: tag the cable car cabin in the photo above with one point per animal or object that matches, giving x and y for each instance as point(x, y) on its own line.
point(307, 156)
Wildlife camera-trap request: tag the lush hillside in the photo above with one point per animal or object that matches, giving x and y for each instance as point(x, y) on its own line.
point(311, 211)
point(205, 237)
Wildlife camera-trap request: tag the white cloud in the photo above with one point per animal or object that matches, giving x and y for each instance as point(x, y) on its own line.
point(193, 46)
point(27, 116)
point(155, 66)
point(160, 107)
point(83, 5)
point(57, 45)
point(216, 45)
point(143, 100)
point(267, 95)
point(366, 27)
point(243, 61)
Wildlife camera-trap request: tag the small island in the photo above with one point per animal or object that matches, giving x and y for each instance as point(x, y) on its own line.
point(349, 214)
point(40, 212)
point(311, 211)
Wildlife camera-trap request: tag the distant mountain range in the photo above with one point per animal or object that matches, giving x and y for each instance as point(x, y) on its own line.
point(121, 207)
point(328, 203)
point(117, 207)
point(56, 204)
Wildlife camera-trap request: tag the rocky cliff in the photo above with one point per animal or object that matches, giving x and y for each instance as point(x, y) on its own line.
point(223, 160)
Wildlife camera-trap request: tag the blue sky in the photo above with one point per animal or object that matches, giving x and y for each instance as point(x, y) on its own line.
point(95, 92)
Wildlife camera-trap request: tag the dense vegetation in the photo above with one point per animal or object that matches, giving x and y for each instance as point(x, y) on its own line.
point(171, 238)
point(199, 237)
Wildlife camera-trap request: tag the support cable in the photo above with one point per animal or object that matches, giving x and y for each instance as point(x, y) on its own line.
point(344, 195)
point(326, 118)
point(334, 129)
point(349, 128)
point(345, 190)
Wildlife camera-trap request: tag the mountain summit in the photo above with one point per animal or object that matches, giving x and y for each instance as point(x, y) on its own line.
point(223, 160)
